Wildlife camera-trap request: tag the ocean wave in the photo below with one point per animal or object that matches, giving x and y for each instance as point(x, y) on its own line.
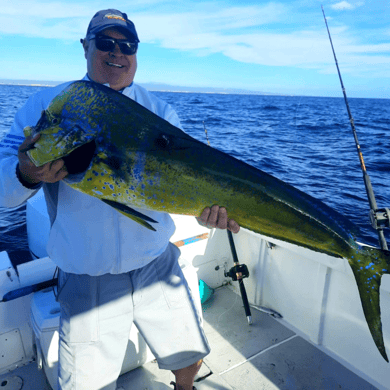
point(270, 107)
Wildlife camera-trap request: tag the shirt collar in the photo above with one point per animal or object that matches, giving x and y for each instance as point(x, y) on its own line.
point(86, 77)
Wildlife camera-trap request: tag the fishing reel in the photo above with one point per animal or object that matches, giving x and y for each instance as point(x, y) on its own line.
point(380, 218)
point(238, 269)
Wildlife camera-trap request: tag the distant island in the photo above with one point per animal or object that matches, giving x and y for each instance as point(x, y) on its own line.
point(171, 88)
point(158, 87)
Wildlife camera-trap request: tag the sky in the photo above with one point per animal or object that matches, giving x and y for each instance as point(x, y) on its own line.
point(269, 46)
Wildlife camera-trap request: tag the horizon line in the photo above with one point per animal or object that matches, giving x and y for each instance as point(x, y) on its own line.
point(177, 89)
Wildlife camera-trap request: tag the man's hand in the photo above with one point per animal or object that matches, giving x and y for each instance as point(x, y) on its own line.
point(49, 173)
point(216, 217)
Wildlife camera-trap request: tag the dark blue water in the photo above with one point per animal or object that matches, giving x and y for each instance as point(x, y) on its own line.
point(13, 230)
point(305, 141)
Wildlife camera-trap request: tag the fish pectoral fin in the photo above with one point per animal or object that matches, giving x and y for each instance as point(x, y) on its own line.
point(136, 216)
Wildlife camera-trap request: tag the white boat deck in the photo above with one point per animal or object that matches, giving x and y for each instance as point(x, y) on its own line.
point(263, 356)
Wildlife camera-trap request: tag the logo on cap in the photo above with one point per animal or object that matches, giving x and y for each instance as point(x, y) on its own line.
point(112, 16)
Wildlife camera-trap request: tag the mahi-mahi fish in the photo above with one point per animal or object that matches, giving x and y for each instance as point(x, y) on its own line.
point(120, 152)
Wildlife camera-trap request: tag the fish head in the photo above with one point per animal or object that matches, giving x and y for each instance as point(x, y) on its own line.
point(60, 136)
point(72, 129)
point(68, 128)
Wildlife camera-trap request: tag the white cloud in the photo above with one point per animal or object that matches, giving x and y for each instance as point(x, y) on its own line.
point(67, 20)
point(47, 19)
point(252, 34)
point(344, 5)
point(43, 10)
point(221, 21)
point(204, 34)
point(52, 20)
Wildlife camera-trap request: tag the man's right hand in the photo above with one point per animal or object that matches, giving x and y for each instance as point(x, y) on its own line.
point(49, 173)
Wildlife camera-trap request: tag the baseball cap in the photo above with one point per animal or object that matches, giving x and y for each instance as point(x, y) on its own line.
point(111, 18)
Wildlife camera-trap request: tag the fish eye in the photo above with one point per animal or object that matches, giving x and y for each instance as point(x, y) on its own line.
point(55, 121)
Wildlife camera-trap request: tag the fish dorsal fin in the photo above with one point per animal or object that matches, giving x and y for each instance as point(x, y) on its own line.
point(136, 216)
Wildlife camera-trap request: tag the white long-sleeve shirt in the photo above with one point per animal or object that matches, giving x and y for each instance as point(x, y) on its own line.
point(87, 236)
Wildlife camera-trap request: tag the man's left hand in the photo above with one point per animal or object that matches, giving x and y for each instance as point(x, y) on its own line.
point(216, 217)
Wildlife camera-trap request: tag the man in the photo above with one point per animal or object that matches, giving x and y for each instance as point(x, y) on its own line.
point(112, 272)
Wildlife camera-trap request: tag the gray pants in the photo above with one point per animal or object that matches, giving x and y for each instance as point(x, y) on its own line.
point(97, 313)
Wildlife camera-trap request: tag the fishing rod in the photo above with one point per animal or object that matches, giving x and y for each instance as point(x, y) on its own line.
point(239, 271)
point(21, 292)
point(380, 218)
point(207, 137)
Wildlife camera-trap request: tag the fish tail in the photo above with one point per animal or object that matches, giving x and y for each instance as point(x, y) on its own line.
point(368, 266)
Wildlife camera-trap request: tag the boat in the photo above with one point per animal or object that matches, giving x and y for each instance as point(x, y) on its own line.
point(308, 330)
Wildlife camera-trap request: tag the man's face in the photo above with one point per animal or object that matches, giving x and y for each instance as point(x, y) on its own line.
point(114, 67)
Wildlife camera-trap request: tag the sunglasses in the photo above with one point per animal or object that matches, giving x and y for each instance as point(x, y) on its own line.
point(108, 44)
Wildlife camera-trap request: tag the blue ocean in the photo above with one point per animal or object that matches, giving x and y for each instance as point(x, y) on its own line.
point(305, 141)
